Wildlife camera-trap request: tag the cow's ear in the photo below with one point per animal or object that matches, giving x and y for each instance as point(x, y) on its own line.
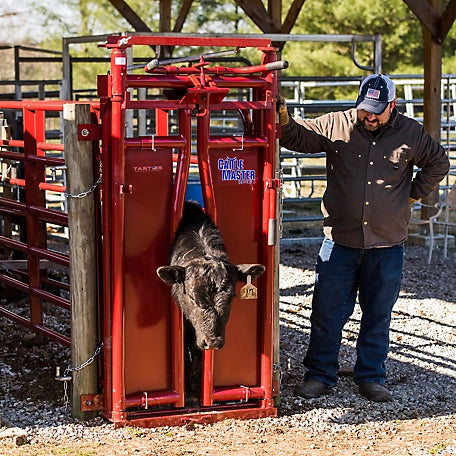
point(171, 274)
point(252, 270)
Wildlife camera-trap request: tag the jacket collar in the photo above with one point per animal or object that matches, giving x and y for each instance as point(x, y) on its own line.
point(394, 119)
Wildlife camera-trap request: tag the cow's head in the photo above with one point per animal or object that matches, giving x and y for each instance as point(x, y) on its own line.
point(204, 290)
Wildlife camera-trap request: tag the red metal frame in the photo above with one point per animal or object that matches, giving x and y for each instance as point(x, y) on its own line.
point(205, 88)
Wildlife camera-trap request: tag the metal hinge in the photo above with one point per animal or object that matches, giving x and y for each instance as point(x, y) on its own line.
point(91, 402)
point(89, 132)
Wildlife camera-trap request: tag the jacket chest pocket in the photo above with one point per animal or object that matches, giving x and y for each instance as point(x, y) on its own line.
point(394, 163)
point(346, 161)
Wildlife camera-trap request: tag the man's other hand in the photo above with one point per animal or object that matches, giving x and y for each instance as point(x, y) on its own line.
point(281, 108)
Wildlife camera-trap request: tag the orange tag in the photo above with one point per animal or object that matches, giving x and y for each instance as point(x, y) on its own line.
point(249, 291)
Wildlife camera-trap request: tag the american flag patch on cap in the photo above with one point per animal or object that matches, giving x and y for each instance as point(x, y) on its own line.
point(373, 93)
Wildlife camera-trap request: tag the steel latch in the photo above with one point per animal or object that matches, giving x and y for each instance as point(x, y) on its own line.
point(125, 188)
point(273, 183)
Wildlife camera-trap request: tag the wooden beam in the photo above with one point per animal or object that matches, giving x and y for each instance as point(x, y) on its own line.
point(292, 16)
point(183, 13)
point(164, 26)
point(448, 17)
point(432, 93)
point(275, 12)
point(257, 12)
point(165, 16)
point(130, 16)
point(432, 78)
point(427, 15)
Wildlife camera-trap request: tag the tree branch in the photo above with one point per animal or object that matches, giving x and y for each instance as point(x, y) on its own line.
point(132, 18)
point(257, 12)
point(292, 15)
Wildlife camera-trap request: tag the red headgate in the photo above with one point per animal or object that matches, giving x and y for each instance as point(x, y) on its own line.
point(145, 180)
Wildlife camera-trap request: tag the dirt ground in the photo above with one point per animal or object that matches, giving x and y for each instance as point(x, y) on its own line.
point(233, 438)
point(286, 435)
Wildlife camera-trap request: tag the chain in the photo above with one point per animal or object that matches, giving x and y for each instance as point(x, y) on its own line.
point(85, 363)
point(66, 378)
point(66, 399)
point(87, 192)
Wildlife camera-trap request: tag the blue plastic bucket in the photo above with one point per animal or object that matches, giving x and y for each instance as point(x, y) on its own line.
point(194, 192)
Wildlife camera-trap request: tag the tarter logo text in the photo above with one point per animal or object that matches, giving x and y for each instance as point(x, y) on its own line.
point(147, 168)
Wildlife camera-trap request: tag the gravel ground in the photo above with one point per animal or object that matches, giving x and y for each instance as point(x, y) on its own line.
point(421, 419)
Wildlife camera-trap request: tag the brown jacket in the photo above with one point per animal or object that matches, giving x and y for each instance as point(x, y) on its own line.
point(369, 177)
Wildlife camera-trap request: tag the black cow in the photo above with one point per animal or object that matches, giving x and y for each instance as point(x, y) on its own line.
point(203, 279)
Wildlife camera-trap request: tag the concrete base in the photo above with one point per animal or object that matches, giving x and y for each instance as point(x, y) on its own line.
point(421, 239)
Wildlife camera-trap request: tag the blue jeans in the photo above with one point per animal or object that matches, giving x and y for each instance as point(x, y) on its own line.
point(342, 273)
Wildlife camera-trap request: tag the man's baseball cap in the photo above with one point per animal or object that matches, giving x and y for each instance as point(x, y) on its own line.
point(375, 92)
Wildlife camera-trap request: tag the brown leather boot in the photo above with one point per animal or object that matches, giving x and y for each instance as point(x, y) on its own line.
point(375, 392)
point(311, 389)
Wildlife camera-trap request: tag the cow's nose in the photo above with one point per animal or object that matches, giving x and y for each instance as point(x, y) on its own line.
point(213, 343)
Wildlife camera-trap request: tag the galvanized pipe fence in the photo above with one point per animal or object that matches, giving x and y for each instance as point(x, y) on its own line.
point(304, 175)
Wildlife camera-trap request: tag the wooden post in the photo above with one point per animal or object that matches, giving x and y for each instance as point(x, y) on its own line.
point(432, 94)
point(275, 13)
point(82, 243)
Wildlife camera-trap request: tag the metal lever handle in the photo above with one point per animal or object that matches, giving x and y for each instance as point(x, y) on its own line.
point(194, 58)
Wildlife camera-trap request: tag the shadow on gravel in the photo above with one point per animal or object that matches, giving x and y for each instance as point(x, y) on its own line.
point(420, 388)
point(422, 362)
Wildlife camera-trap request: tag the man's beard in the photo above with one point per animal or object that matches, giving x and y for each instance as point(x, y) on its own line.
point(370, 126)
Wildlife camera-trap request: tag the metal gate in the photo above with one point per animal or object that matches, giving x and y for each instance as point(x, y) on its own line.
point(34, 257)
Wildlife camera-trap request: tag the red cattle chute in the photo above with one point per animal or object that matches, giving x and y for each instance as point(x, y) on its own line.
point(145, 181)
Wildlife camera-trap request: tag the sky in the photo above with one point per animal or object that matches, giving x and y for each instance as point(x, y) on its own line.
point(16, 21)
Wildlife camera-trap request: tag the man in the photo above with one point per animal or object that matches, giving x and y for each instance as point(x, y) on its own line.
point(371, 152)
